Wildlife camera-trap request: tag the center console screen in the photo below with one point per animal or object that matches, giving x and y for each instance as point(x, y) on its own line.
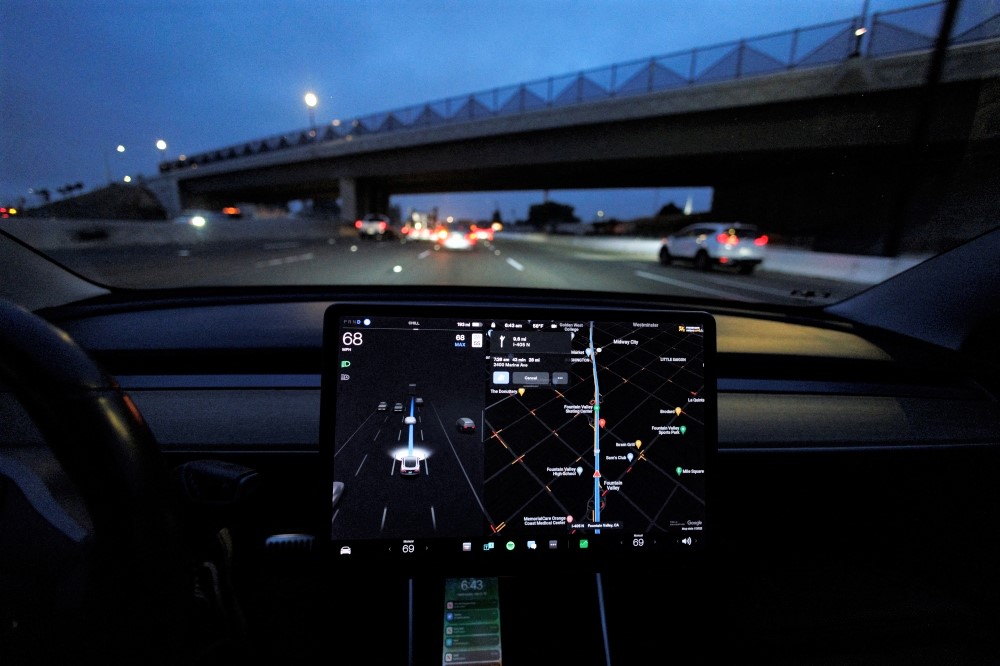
point(508, 438)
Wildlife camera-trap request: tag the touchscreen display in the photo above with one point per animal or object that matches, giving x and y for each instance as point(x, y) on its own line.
point(501, 436)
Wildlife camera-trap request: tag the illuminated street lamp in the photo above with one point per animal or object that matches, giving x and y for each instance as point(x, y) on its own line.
point(311, 102)
point(107, 162)
point(161, 147)
point(860, 30)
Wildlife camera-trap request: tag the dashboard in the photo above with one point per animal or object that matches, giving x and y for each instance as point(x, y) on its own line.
point(845, 493)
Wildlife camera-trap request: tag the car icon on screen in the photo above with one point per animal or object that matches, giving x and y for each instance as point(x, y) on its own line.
point(466, 424)
point(409, 466)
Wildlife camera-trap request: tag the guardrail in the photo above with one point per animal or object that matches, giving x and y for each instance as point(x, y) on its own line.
point(887, 33)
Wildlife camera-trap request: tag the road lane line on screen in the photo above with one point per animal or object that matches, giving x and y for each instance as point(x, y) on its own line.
point(458, 458)
point(360, 465)
point(424, 254)
point(514, 264)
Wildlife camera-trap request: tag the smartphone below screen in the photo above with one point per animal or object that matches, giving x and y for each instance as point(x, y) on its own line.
point(471, 621)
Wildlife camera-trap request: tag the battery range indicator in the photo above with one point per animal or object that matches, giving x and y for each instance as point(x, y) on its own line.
point(477, 324)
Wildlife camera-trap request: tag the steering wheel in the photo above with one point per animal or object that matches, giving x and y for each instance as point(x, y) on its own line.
point(130, 602)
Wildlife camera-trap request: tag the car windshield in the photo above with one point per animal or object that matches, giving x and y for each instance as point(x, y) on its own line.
point(782, 153)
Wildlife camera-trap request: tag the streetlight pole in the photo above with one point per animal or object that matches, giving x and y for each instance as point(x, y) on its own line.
point(860, 29)
point(107, 162)
point(311, 102)
point(161, 146)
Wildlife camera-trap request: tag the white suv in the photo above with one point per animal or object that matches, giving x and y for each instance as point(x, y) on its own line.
point(707, 244)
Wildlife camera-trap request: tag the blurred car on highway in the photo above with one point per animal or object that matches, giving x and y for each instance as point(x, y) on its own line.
point(482, 232)
point(199, 217)
point(716, 244)
point(455, 236)
point(375, 226)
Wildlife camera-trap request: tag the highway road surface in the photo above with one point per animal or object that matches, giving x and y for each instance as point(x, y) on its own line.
point(501, 263)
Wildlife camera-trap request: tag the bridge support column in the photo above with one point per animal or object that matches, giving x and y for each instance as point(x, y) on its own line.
point(348, 200)
point(168, 192)
point(376, 199)
point(360, 197)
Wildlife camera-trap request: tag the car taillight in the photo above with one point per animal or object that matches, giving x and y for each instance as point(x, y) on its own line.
point(760, 240)
point(381, 226)
point(357, 224)
point(727, 239)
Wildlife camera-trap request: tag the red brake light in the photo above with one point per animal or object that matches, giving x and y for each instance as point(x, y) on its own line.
point(381, 226)
point(357, 224)
point(760, 240)
point(726, 239)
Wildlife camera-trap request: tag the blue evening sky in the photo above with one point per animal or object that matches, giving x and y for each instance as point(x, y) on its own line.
point(78, 78)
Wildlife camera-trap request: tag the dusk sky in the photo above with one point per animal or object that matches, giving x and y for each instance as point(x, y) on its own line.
point(78, 78)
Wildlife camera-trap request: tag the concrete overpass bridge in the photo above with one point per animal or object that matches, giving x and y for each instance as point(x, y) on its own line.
point(732, 117)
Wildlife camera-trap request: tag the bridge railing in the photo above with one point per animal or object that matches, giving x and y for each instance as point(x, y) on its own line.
point(888, 33)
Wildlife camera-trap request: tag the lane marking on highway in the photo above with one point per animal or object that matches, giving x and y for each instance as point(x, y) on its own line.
point(594, 256)
point(687, 285)
point(514, 264)
point(280, 261)
point(749, 286)
point(424, 254)
point(282, 245)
